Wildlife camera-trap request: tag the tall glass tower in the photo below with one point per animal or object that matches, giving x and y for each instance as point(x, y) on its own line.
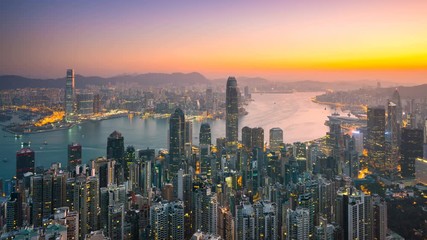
point(232, 111)
point(176, 140)
point(376, 137)
point(69, 95)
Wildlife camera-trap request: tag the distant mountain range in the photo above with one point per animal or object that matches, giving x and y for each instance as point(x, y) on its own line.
point(192, 79)
point(149, 79)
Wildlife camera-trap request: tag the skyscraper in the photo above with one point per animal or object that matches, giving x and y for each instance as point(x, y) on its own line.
point(24, 162)
point(115, 146)
point(245, 220)
point(376, 138)
point(188, 139)
point(258, 138)
point(205, 145)
point(392, 139)
point(74, 156)
point(276, 138)
point(176, 140)
point(205, 134)
point(69, 95)
point(354, 213)
point(83, 197)
point(247, 137)
point(231, 111)
point(209, 100)
point(396, 100)
point(14, 212)
point(411, 148)
point(167, 220)
point(334, 142)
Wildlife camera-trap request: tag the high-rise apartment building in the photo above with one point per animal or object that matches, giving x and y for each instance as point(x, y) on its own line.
point(298, 224)
point(167, 220)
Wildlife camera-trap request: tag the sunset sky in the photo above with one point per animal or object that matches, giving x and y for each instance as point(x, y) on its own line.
point(279, 40)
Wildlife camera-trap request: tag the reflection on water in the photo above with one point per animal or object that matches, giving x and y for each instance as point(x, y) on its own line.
point(300, 119)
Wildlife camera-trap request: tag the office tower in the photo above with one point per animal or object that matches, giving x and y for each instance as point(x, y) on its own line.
point(59, 181)
point(298, 223)
point(74, 156)
point(411, 149)
point(245, 220)
point(253, 138)
point(258, 138)
point(115, 146)
point(231, 111)
point(266, 220)
point(205, 149)
point(128, 158)
point(116, 219)
point(351, 158)
point(209, 100)
point(85, 103)
point(69, 95)
point(380, 217)
point(396, 100)
point(393, 125)
point(96, 103)
point(205, 134)
point(116, 151)
point(176, 140)
point(24, 162)
point(392, 139)
point(276, 139)
point(334, 142)
point(247, 137)
point(14, 212)
point(376, 138)
point(353, 212)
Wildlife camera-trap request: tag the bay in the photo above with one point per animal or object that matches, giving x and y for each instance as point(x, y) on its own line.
point(295, 113)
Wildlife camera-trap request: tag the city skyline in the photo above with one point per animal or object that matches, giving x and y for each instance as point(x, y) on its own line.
point(308, 40)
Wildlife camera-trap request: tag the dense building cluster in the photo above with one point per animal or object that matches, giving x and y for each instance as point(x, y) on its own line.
point(233, 189)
